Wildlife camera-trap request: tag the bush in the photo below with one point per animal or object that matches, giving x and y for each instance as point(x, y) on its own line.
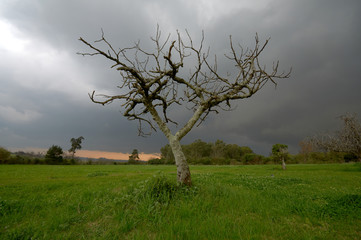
point(157, 161)
point(205, 161)
point(200, 161)
point(221, 161)
point(350, 157)
point(252, 158)
point(4, 155)
point(54, 155)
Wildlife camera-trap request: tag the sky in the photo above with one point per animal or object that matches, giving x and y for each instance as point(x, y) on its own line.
point(44, 83)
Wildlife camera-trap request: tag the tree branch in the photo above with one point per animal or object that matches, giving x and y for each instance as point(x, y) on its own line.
point(153, 81)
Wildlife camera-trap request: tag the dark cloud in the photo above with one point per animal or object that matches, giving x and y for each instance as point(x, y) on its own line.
point(43, 98)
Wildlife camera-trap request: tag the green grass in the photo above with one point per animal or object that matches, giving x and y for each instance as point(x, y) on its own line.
point(144, 202)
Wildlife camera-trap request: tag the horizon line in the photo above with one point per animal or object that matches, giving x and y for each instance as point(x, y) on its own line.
point(93, 153)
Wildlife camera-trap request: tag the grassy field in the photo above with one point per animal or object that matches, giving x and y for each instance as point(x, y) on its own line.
point(143, 202)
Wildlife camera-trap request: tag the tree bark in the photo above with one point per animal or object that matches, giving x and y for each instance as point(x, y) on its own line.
point(183, 173)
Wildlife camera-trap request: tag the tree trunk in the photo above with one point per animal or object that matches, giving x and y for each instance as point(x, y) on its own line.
point(183, 173)
point(283, 164)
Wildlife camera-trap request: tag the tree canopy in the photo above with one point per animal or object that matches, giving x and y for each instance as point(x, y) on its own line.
point(134, 156)
point(54, 155)
point(4, 154)
point(347, 139)
point(75, 144)
point(280, 152)
point(219, 152)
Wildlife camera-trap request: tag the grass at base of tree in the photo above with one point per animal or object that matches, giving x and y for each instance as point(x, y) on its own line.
point(144, 202)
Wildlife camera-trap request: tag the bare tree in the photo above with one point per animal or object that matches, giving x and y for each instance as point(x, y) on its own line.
point(152, 82)
point(306, 149)
point(347, 140)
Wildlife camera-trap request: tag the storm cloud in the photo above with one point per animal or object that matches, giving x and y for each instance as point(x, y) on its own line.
point(45, 84)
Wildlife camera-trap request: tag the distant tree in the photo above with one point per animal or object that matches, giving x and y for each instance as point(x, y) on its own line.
point(167, 154)
point(248, 156)
point(252, 158)
point(54, 155)
point(200, 152)
point(280, 152)
point(197, 150)
point(4, 155)
point(306, 150)
point(153, 82)
point(233, 151)
point(135, 154)
point(75, 144)
point(133, 157)
point(245, 150)
point(218, 149)
point(347, 140)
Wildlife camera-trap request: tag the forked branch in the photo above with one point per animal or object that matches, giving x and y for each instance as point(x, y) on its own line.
point(153, 81)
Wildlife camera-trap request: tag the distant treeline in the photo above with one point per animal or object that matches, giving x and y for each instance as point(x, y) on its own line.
point(6, 157)
point(220, 153)
point(197, 153)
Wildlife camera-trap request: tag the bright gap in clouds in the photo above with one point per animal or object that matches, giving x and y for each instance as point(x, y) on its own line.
point(11, 39)
point(35, 64)
point(114, 155)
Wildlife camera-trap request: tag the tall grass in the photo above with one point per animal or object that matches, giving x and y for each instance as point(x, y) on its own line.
point(145, 202)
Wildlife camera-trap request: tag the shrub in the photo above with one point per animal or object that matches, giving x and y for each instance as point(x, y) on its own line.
point(350, 157)
point(4, 155)
point(329, 157)
point(221, 161)
point(156, 161)
point(205, 161)
point(54, 155)
point(252, 158)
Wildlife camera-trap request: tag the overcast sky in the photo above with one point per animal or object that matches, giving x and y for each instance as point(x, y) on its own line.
point(44, 84)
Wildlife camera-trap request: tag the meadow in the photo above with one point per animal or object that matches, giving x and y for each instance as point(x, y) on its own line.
point(144, 202)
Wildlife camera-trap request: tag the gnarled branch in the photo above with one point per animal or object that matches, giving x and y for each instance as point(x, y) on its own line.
point(155, 80)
